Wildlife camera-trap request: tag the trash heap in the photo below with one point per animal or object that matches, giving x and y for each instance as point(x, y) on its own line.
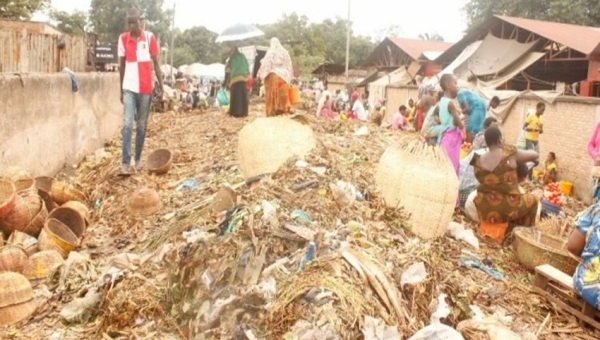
point(309, 251)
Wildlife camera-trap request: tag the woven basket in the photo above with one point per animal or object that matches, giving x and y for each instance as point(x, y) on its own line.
point(16, 298)
point(71, 218)
point(37, 223)
point(159, 162)
point(81, 209)
point(534, 248)
point(25, 241)
point(57, 236)
point(26, 208)
point(7, 196)
point(44, 183)
point(267, 143)
point(12, 258)
point(63, 192)
point(41, 265)
point(144, 201)
point(47, 198)
point(420, 179)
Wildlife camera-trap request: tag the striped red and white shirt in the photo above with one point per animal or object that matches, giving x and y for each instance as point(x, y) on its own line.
point(138, 53)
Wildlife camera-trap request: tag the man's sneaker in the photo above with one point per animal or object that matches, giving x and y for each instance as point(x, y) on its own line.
point(124, 171)
point(138, 166)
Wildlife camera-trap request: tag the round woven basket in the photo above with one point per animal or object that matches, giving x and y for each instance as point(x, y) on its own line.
point(71, 218)
point(41, 265)
point(63, 192)
point(27, 207)
point(7, 196)
point(16, 298)
point(144, 201)
point(12, 258)
point(25, 241)
point(81, 209)
point(159, 162)
point(534, 248)
point(421, 180)
point(37, 223)
point(57, 236)
point(267, 143)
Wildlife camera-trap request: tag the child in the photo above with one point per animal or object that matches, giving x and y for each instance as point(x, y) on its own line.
point(550, 169)
point(327, 111)
point(399, 120)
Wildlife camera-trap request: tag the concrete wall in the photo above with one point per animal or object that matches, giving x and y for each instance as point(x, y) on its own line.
point(45, 125)
point(568, 126)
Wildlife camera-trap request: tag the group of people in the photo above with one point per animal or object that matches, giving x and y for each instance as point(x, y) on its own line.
point(276, 73)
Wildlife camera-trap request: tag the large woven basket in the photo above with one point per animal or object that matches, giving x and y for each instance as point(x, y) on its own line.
point(25, 241)
point(16, 298)
point(12, 258)
point(534, 248)
point(267, 143)
point(71, 218)
point(42, 265)
point(57, 236)
point(7, 196)
point(27, 206)
point(420, 179)
point(159, 162)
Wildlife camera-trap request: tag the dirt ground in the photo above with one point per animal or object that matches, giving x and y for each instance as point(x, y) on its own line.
point(206, 275)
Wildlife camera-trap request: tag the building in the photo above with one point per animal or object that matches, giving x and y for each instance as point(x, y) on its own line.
point(396, 52)
point(524, 54)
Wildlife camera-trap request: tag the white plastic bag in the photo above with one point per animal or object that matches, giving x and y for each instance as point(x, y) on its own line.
point(470, 208)
point(437, 330)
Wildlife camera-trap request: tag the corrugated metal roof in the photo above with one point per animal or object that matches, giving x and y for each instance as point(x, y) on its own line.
point(583, 39)
point(416, 47)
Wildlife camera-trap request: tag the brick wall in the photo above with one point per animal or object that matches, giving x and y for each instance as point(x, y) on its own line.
point(568, 125)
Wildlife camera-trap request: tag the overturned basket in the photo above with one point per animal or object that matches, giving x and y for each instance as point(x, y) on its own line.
point(159, 162)
point(16, 298)
point(12, 258)
point(144, 201)
point(42, 265)
point(534, 248)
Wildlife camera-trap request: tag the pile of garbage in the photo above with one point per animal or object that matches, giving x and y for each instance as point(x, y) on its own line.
point(309, 251)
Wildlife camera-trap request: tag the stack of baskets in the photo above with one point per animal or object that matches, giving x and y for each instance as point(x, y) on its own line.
point(421, 180)
point(43, 220)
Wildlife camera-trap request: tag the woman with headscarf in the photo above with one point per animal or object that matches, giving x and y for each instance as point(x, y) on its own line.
point(236, 74)
point(276, 73)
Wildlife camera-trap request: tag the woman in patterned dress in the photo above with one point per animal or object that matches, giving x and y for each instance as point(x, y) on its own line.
point(584, 242)
point(498, 197)
point(276, 72)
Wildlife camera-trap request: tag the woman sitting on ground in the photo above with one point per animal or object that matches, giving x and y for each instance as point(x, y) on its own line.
point(499, 199)
point(584, 242)
point(479, 140)
point(550, 169)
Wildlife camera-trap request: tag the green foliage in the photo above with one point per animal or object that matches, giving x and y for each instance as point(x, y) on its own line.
point(21, 9)
point(108, 17)
point(579, 12)
point(70, 23)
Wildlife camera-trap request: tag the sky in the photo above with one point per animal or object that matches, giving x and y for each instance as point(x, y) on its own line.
point(369, 17)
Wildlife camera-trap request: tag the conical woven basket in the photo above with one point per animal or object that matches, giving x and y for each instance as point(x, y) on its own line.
point(267, 143)
point(420, 179)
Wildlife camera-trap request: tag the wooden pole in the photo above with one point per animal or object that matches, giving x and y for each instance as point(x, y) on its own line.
point(172, 46)
point(348, 41)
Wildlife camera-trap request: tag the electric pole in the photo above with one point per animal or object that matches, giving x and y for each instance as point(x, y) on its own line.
point(348, 41)
point(172, 45)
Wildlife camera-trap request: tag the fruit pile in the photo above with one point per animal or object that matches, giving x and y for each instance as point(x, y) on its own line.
point(466, 147)
point(553, 195)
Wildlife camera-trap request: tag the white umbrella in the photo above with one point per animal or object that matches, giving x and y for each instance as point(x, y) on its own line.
point(239, 32)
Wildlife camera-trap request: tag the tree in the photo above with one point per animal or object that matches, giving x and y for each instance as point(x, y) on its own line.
point(108, 17)
point(201, 44)
point(431, 36)
point(392, 31)
point(578, 12)
point(70, 23)
point(183, 55)
point(21, 9)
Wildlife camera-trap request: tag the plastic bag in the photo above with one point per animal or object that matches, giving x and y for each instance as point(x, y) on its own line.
point(222, 97)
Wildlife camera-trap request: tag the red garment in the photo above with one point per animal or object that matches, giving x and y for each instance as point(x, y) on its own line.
point(354, 96)
point(249, 83)
point(138, 53)
point(420, 117)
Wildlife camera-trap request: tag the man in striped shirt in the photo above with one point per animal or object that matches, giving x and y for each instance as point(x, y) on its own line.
point(138, 55)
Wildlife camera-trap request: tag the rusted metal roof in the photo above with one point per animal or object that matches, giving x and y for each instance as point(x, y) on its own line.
point(583, 39)
point(416, 47)
point(330, 68)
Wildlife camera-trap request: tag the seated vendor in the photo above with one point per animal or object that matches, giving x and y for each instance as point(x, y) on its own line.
point(550, 171)
point(499, 199)
point(584, 242)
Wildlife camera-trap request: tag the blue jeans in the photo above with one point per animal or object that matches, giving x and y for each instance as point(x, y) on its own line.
point(136, 107)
